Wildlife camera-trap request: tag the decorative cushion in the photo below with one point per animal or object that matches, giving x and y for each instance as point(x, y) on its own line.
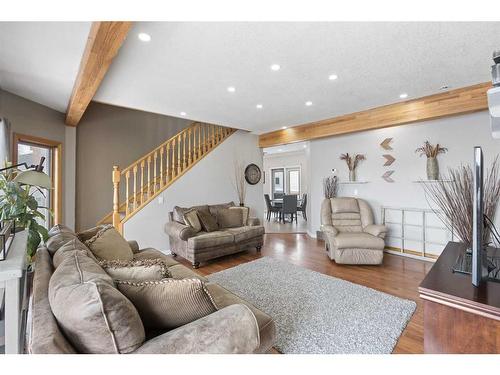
point(245, 214)
point(137, 270)
point(208, 222)
point(169, 303)
point(108, 244)
point(57, 240)
point(89, 233)
point(214, 208)
point(191, 218)
point(229, 218)
point(93, 314)
point(341, 205)
point(178, 212)
point(67, 249)
point(59, 228)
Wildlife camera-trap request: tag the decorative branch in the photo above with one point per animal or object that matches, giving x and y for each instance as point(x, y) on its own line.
point(239, 182)
point(330, 187)
point(352, 161)
point(431, 151)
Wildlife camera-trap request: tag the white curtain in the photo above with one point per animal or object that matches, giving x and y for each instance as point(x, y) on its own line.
point(5, 154)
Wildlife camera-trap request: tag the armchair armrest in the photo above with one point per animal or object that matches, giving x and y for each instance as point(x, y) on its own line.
point(329, 229)
point(175, 229)
point(253, 221)
point(376, 230)
point(232, 329)
point(134, 246)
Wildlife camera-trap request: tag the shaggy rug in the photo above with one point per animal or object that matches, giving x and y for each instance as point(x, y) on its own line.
point(316, 313)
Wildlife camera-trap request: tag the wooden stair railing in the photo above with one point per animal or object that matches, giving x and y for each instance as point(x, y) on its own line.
point(147, 177)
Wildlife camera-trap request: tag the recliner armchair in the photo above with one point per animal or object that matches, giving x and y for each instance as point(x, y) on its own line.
point(350, 233)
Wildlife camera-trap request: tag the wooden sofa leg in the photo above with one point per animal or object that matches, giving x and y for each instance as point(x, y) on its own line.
point(196, 265)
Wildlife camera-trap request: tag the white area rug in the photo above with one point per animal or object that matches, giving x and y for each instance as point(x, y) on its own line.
point(316, 313)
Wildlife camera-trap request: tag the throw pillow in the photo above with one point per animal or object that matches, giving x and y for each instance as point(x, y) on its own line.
point(245, 214)
point(56, 241)
point(169, 303)
point(108, 244)
point(214, 208)
point(68, 248)
point(229, 218)
point(93, 315)
point(208, 222)
point(137, 270)
point(89, 233)
point(191, 218)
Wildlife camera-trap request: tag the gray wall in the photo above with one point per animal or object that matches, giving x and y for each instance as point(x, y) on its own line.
point(107, 136)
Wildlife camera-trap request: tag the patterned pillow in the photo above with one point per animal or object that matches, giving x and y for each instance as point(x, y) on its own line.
point(229, 218)
point(108, 244)
point(191, 218)
point(245, 213)
point(208, 222)
point(137, 270)
point(169, 303)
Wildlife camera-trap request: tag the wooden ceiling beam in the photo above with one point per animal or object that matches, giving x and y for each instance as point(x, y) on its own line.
point(103, 43)
point(454, 102)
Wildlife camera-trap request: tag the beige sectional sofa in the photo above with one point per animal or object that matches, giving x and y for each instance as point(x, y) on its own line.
point(202, 246)
point(236, 326)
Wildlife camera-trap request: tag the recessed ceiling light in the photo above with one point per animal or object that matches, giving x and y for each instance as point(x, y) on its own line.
point(309, 103)
point(305, 146)
point(283, 127)
point(231, 89)
point(144, 37)
point(275, 67)
point(403, 96)
point(444, 87)
point(332, 77)
point(280, 150)
point(183, 113)
point(259, 106)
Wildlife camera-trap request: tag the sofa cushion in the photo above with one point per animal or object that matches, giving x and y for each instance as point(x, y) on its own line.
point(89, 233)
point(93, 314)
point(108, 244)
point(153, 254)
point(59, 228)
point(267, 329)
point(169, 303)
point(214, 208)
point(180, 271)
point(341, 205)
point(245, 233)
point(191, 218)
point(245, 214)
point(208, 221)
point(228, 218)
point(67, 250)
point(137, 270)
point(204, 240)
point(56, 241)
point(359, 240)
point(178, 212)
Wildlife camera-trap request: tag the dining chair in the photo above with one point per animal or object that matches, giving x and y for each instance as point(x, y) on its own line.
point(303, 206)
point(270, 208)
point(289, 207)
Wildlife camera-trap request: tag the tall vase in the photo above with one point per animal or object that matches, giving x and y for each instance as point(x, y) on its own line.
point(352, 175)
point(432, 169)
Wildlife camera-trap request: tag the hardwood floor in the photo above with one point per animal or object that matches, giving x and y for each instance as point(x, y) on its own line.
point(398, 275)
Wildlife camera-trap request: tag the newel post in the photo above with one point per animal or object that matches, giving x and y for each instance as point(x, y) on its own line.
point(116, 198)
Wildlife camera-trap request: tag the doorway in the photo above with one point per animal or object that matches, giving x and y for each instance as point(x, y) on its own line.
point(28, 149)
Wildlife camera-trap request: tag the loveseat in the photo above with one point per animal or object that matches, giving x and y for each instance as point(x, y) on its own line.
point(236, 326)
point(227, 238)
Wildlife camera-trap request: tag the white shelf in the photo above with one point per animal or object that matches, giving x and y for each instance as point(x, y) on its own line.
point(353, 182)
point(430, 181)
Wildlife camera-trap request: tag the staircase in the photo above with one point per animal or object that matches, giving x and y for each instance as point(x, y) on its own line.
point(147, 177)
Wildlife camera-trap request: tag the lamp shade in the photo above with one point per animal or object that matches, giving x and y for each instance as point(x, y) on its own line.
point(33, 178)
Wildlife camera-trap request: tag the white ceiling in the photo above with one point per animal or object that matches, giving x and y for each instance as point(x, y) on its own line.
point(39, 60)
point(186, 67)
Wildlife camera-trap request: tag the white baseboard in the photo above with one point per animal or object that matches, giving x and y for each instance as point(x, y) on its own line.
point(311, 234)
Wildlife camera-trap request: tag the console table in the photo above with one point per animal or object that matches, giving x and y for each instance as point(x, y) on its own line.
point(458, 317)
point(13, 281)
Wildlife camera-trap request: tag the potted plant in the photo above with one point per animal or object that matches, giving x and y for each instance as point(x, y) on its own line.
point(330, 185)
point(18, 203)
point(352, 162)
point(432, 164)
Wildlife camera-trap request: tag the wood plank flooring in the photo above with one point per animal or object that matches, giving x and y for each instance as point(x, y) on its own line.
point(398, 275)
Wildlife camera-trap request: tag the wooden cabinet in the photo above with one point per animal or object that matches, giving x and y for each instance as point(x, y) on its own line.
point(459, 317)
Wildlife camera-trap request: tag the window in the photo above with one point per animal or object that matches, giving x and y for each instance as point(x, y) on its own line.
point(30, 150)
point(281, 185)
point(278, 185)
point(293, 180)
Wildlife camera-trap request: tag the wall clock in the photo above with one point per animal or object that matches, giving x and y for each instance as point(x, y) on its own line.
point(252, 174)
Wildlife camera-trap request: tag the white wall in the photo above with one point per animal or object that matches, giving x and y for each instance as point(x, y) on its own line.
point(208, 182)
point(459, 134)
point(287, 159)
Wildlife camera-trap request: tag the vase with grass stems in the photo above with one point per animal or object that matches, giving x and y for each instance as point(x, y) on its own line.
point(352, 162)
point(431, 152)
